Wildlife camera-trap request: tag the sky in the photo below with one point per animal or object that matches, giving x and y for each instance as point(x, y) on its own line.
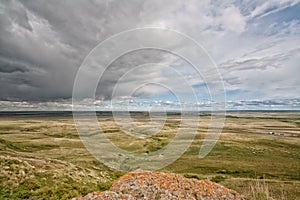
point(254, 44)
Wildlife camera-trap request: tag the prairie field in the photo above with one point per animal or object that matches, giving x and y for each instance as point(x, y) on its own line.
point(257, 154)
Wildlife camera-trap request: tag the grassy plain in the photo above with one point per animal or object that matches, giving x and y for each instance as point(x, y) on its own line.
point(42, 157)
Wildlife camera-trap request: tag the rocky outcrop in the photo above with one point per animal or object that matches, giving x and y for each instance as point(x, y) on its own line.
point(159, 185)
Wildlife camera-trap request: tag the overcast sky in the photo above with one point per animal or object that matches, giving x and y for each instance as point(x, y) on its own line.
point(254, 43)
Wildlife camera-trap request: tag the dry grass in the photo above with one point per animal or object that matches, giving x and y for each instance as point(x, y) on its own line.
point(265, 189)
point(260, 191)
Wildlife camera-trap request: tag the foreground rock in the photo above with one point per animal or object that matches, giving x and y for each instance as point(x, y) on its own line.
point(158, 185)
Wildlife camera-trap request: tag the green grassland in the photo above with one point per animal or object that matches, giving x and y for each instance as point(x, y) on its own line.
point(42, 157)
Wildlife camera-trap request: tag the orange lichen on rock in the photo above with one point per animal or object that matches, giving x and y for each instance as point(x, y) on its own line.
point(159, 185)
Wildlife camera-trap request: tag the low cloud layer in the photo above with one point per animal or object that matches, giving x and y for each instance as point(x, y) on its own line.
point(255, 45)
point(130, 104)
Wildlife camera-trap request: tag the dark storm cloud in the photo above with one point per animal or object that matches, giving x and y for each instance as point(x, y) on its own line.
point(8, 67)
point(53, 38)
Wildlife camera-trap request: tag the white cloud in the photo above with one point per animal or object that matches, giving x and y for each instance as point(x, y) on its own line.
point(272, 6)
point(233, 20)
